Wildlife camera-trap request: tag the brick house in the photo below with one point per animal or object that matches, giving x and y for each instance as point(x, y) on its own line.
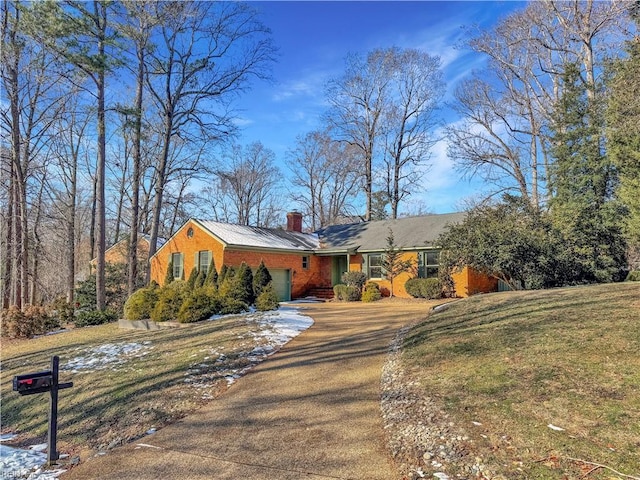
point(311, 263)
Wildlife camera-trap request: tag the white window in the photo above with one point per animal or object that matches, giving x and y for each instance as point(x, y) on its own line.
point(305, 262)
point(428, 264)
point(178, 265)
point(203, 260)
point(374, 265)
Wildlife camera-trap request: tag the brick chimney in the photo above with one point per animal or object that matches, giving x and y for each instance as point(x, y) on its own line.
point(294, 222)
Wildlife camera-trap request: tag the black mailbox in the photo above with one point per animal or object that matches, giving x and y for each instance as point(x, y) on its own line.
point(41, 382)
point(32, 383)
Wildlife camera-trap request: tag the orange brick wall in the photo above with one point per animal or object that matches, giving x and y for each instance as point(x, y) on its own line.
point(301, 279)
point(355, 263)
point(119, 253)
point(181, 243)
point(385, 285)
point(469, 282)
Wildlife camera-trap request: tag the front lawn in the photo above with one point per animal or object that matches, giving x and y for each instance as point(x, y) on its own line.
point(546, 383)
point(129, 382)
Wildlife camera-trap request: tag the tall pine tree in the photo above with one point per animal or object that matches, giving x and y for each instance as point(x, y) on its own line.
point(623, 139)
point(583, 183)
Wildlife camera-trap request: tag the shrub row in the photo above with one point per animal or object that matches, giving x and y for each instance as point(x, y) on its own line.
point(232, 291)
point(430, 288)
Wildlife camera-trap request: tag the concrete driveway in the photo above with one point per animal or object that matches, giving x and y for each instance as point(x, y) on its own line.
point(310, 411)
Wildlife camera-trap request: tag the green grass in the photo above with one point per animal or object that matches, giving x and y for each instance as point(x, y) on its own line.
point(518, 361)
point(119, 404)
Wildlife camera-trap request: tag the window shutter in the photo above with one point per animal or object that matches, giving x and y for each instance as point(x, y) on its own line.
point(196, 261)
point(365, 264)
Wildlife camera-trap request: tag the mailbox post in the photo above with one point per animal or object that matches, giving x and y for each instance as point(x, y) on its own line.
point(41, 382)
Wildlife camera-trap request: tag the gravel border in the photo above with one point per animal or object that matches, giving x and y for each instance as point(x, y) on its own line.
point(423, 440)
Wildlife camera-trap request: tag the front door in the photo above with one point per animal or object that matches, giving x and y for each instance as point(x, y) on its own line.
point(338, 267)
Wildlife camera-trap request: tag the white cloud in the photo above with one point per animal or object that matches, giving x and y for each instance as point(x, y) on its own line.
point(310, 86)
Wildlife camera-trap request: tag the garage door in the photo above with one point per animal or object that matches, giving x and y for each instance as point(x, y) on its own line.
point(281, 283)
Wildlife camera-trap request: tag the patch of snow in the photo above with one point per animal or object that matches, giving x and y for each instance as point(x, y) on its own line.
point(262, 237)
point(6, 437)
point(554, 427)
point(146, 445)
point(26, 464)
point(108, 355)
point(270, 331)
point(305, 300)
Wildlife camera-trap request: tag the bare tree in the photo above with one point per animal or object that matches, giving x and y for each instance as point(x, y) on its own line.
point(383, 105)
point(357, 101)
point(26, 117)
point(409, 119)
point(79, 33)
point(503, 136)
point(488, 140)
point(191, 86)
point(247, 191)
point(138, 25)
point(66, 149)
point(326, 175)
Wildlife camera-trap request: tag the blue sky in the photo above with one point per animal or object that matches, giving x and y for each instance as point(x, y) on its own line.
point(313, 40)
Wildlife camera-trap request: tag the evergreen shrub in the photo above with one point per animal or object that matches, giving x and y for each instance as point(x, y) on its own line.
point(242, 285)
point(94, 317)
point(430, 288)
point(191, 282)
point(261, 279)
point(170, 298)
point(232, 306)
point(346, 293)
point(371, 292)
point(199, 305)
point(268, 299)
point(141, 303)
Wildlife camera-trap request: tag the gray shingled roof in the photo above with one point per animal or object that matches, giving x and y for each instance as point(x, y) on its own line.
point(409, 232)
point(256, 237)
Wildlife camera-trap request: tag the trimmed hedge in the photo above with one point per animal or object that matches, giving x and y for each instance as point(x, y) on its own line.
point(430, 288)
point(140, 304)
point(170, 298)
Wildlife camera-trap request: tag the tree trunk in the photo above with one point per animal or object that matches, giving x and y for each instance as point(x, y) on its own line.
point(135, 187)
point(160, 179)
point(71, 225)
point(101, 16)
